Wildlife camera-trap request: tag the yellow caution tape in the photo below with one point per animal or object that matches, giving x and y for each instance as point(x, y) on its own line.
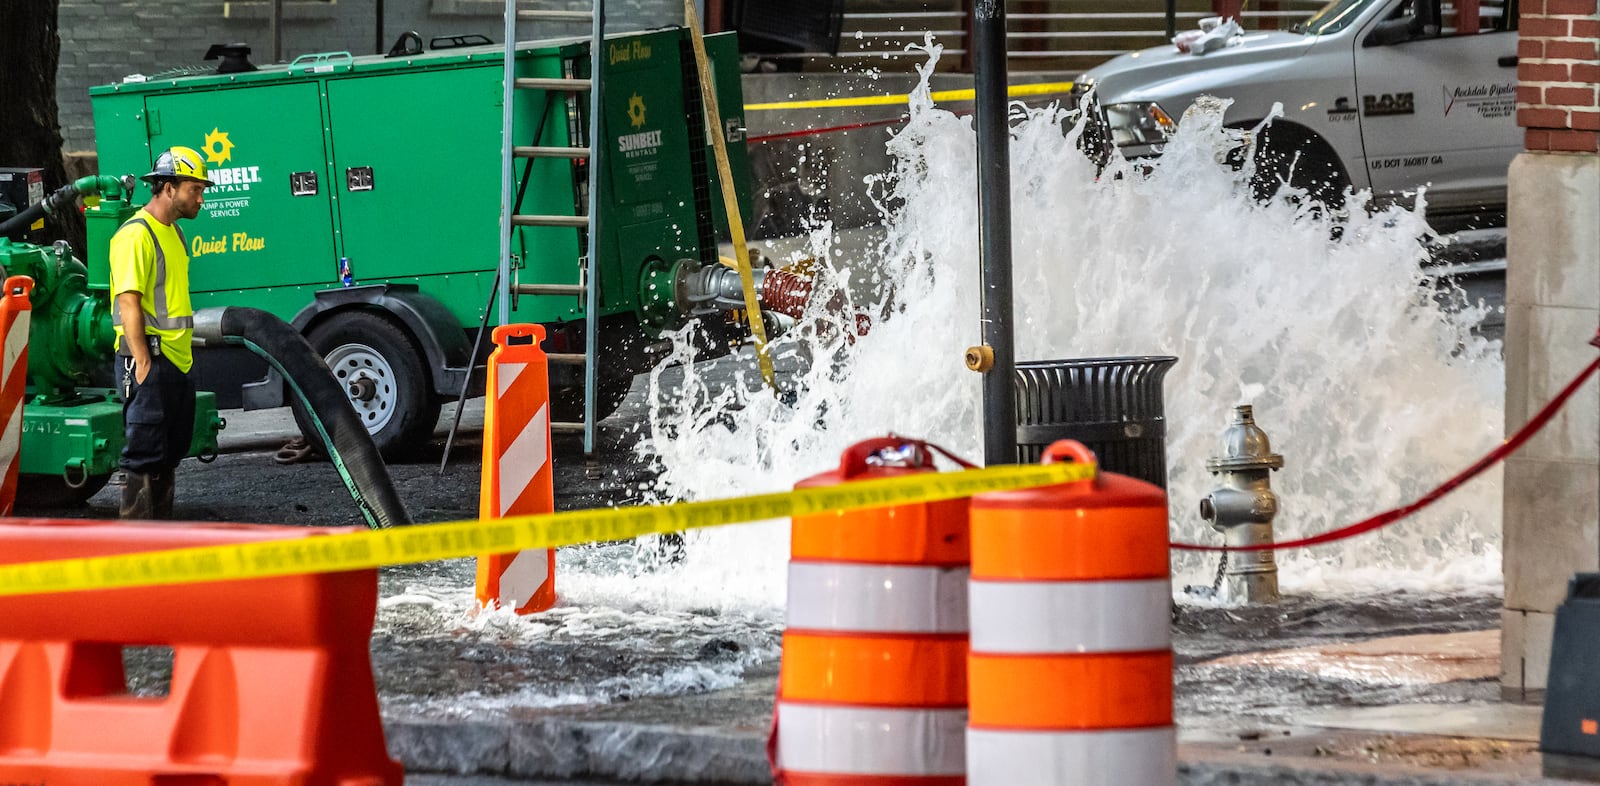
point(1015, 91)
point(429, 542)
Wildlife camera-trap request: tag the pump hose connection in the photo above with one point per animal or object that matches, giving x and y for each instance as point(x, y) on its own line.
point(344, 437)
point(788, 292)
point(712, 289)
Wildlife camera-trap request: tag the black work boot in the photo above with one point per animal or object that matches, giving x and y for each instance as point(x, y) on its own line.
point(164, 487)
point(138, 496)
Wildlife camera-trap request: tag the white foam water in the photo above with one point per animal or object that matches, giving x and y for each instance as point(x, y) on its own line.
point(1373, 392)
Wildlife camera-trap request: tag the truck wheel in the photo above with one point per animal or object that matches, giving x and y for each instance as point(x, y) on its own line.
point(45, 492)
point(383, 373)
point(1286, 154)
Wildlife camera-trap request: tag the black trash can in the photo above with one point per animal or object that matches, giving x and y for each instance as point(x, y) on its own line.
point(1114, 406)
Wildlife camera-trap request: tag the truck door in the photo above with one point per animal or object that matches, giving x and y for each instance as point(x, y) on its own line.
point(1438, 105)
point(266, 222)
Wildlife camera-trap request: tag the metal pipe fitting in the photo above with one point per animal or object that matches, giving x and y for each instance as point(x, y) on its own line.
point(1243, 508)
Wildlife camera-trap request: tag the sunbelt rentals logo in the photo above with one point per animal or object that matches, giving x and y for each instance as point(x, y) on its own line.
point(219, 150)
point(228, 198)
point(643, 142)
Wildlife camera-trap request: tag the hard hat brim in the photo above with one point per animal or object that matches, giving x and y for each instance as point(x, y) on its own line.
point(152, 177)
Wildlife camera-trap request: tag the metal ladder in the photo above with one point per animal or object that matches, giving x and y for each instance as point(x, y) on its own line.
point(589, 289)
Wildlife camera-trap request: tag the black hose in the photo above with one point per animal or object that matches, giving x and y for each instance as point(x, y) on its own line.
point(344, 437)
point(63, 195)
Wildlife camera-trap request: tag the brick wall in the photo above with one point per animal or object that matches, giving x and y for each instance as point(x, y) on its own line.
point(1558, 69)
point(103, 41)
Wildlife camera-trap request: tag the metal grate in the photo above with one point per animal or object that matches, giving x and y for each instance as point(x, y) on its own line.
point(1114, 406)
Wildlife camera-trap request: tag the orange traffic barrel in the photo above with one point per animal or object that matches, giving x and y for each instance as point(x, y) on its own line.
point(16, 315)
point(270, 680)
point(1071, 668)
point(518, 478)
point(872, 685)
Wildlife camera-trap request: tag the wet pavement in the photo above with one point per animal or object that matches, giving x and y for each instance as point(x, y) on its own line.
point(1394, 687)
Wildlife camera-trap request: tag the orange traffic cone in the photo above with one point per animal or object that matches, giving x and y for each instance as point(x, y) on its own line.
point(872, 687)
point(1070, 675)
point(518, 478)
point(16, 314)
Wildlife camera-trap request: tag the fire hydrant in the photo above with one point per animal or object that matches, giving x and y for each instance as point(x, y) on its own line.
point(1243, 507)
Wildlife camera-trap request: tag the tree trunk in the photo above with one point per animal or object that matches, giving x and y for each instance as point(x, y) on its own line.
point(30, 132)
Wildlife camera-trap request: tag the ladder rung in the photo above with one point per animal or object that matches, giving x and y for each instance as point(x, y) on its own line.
point(525, 151)
point(558, 427)
point(576, 222)
point(574, 290)
point(565, 358)
point(552, 83)
point(547, 15)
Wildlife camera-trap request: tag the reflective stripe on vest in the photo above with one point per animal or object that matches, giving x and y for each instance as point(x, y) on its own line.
point(160, 320)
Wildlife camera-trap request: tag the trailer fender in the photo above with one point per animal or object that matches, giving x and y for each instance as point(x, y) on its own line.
point(444, 344)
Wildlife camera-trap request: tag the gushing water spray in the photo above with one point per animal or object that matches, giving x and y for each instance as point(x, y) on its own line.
point(1376, 391)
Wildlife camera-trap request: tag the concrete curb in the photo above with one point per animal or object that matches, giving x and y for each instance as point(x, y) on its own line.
point(560, 748)
point(565, 748)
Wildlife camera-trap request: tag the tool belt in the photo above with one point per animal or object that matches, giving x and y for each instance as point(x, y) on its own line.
point(154, 342)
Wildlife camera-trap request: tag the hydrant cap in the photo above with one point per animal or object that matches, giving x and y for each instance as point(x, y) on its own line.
point(1244, 445)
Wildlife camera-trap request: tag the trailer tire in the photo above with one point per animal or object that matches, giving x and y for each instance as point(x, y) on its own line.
point(48, 492)
point(382, 371)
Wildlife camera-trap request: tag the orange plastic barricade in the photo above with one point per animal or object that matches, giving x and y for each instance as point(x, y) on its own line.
point(271, 680)
point(518, 478)
point(1071, 665)
point(872, 686)
point(16, 314)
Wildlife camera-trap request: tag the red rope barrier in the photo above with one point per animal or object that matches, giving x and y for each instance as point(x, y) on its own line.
point(1389, 517)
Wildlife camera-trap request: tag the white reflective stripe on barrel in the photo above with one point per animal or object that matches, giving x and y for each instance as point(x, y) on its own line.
point(1071, 616)
point(1138, 757)
point(877, 598)
point(870, 741)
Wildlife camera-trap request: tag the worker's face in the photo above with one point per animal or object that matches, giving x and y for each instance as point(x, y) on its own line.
point(187, 195)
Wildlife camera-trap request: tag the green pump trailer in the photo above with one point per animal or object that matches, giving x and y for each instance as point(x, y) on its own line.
point(358, 199)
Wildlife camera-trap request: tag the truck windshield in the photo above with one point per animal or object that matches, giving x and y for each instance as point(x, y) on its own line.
point(1333, 17)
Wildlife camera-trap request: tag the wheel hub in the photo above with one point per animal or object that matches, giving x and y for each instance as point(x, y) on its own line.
point(368, 380)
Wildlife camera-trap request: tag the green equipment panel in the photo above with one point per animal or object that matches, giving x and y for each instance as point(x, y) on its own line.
point(256, 228)
point(390, 201)
point(84, 439)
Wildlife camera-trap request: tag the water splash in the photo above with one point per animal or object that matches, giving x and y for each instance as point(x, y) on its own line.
point(1371, 390)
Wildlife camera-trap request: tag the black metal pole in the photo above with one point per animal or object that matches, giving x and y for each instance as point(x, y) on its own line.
point(1172, 23)
point(994, 206)
point(377, 38)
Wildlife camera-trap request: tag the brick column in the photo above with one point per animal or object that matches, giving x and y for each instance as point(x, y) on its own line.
point(1552, 486)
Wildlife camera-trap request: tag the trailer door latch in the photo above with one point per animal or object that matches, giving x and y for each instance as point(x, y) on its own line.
point(303, 183)
point(358, 178)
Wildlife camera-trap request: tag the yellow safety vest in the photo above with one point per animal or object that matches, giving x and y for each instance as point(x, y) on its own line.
point(149, 257)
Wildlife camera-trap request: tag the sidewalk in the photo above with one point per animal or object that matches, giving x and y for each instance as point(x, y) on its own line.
point(1414, 709)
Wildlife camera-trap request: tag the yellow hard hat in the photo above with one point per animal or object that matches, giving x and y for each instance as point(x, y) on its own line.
point(179, 162)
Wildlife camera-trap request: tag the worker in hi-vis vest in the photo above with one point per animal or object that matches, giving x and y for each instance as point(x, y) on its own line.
point(154, 323)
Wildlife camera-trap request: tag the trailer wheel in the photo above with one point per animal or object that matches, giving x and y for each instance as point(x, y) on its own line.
point(383, 373)
point(46, 492)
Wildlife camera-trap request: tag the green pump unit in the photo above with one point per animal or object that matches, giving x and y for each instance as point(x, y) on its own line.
point(359, 199)
point(72, 431)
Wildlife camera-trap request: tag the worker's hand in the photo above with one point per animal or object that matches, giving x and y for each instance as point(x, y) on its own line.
point(141, 369)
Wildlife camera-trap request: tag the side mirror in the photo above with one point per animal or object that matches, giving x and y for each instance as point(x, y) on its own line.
point(1390, 31)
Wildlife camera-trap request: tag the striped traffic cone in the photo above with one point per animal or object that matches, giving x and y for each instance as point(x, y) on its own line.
point(517, 475)
point(1071, 668)
point(872, 685)
point(16, 315)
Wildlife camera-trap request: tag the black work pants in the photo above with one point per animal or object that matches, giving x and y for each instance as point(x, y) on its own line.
point(157, 416)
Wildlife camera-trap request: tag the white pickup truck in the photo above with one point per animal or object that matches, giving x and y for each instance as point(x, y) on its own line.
point(1390, 95)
